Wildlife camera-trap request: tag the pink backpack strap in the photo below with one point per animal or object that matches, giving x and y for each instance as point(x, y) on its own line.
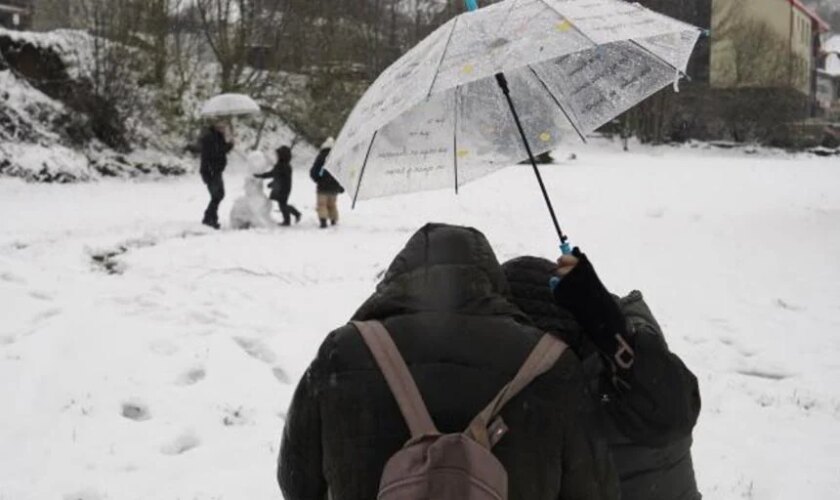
point(543, 357)
point(399, 378)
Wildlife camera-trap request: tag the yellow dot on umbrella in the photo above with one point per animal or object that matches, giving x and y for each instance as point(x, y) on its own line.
point(545, 137)
point(462, 153)
point(468, 69)
point(564, 26)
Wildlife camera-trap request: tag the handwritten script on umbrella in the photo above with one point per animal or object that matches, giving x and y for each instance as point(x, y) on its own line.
point(436, 118)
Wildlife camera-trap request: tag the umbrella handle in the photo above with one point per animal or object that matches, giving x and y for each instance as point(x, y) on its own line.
point(566, 248)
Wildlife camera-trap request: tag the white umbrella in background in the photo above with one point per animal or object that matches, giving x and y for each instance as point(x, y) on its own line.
point(229, 106)
point(497, 85)
point(226, 105)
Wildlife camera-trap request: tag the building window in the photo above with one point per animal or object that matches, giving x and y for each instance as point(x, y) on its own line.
point(802, 28)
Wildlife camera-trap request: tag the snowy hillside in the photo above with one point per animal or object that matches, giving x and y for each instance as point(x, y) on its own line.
point(144, 357)
point(49, 131)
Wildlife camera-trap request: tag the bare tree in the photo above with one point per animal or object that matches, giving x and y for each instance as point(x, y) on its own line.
point(157, 25)
point(185, 47)
point(751, 54)
point(112, 66)
point(238, 31)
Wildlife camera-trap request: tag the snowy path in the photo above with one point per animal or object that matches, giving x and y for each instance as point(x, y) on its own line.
point(146, 358)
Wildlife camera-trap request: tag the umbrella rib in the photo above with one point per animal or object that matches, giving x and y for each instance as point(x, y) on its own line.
point(688, 26)
point(660, 58)
point(634, 42)
point(364, 166)
point(573, 25)
point(443, 56)
point(455, 139)
point(514, 4)
point(559, 104)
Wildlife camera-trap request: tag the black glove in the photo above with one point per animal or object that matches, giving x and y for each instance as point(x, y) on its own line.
point(581, 293)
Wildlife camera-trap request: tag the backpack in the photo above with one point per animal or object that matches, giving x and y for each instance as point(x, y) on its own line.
point(435, 466)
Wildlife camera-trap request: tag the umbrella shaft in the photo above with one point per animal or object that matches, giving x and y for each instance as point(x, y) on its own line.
point(502, 81)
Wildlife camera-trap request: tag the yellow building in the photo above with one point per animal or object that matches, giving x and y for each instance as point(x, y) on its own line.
point(764, 44)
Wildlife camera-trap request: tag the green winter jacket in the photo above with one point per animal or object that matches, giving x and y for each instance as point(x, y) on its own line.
point(647, 419)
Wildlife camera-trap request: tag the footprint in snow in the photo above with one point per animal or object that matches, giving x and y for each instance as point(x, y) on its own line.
point(787, 305)
point(191, 376)
point(655, 213)
point(39, 295)
point(183, 443)
point(86, 494)
point(722, 324)
point(235, 417)
point(731, 343)
point(256, 349)
point(136, 410)
point(12, 278)
point(727, 341)
point(163, 347)
point(695, 340)
point(765, 374)
point(281, 375)
point(47, 314)
point(204, 318)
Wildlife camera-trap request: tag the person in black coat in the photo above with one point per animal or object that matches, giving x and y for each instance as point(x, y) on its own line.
point(281, 184)
point(444, 301)
point(328, 187)
point(649, 400)
point(215, 146)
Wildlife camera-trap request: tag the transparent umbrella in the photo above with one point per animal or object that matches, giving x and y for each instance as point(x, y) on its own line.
point(500, 84)
point(224, 105)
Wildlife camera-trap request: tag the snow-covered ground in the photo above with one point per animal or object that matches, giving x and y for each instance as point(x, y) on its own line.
point(144, 357)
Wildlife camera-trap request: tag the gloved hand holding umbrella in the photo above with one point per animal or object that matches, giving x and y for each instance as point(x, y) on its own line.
point(500, 84)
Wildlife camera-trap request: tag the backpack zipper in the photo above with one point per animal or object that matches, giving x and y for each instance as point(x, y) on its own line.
point(448, 470)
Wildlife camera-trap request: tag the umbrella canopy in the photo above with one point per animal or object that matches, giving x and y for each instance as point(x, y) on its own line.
point(437, 117)
point(229, 105)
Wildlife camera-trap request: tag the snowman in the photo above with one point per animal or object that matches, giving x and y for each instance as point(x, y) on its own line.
point(253, 209)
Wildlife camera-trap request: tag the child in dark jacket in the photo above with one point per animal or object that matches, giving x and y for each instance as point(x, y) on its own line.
point(281, 184)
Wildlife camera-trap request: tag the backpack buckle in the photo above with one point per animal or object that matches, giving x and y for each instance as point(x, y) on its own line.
point(497, 431)
point(624, 356)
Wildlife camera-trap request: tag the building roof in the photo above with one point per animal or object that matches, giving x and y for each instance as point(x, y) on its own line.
point(821, 25)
